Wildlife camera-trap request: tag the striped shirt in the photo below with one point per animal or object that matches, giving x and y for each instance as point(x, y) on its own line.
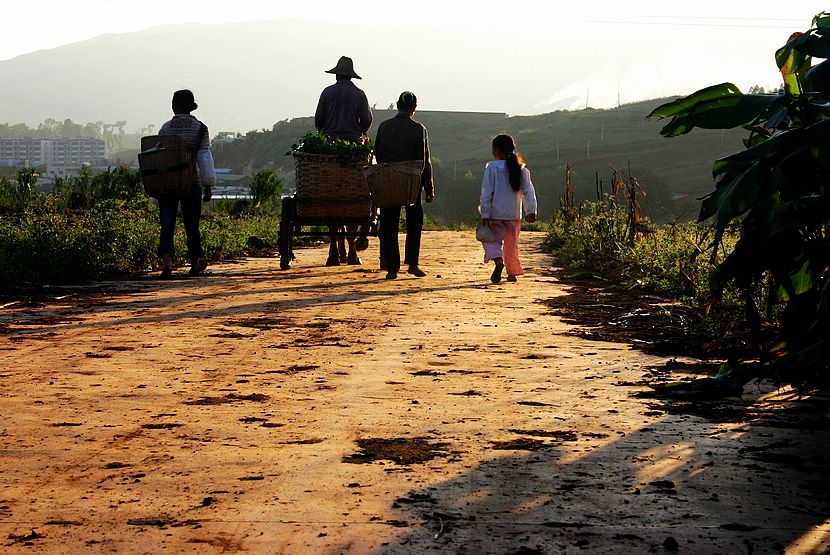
point(187, 127)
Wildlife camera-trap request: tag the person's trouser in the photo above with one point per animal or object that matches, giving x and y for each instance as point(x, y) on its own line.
point(506, 245)
point(191, 214)
point(390, 253)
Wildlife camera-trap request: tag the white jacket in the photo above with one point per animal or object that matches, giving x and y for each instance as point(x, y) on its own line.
point(498, 199)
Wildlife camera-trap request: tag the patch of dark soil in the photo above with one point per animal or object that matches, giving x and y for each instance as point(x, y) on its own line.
point(295, 369)
point(98, 355)
point(152, 521)
point(48, 321)
point(64, 523)
point(309, 441)
point(66, 424)
point(231, 335)
point(161, 426)
point(25, 538)
point(520, 444)
point(468, 393)
point(399, 450)
point(119, 348)
point(533, 404)
point(561, 435)
point(252, 419)
point(230, 398)
point(262, 324)
point(426, 373)
point(716, 412)
point(413, 498)
point(648, 322)
point(115, 465)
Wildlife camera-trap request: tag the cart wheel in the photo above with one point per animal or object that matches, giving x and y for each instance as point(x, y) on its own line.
point(285, 238)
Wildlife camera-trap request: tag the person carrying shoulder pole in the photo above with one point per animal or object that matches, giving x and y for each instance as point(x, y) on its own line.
point(401, 139)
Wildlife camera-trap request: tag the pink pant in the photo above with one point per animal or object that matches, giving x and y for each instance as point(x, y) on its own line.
point(506, 245)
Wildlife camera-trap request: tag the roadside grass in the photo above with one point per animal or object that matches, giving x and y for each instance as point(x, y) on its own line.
point(104, 226)
point(673, 260)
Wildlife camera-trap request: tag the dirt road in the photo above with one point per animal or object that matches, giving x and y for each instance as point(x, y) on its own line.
point(327, 410)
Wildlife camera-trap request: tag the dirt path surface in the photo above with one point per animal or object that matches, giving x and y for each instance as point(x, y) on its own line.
point(327, 410)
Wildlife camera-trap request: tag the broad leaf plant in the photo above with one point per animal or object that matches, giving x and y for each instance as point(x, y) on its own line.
point(776, 193)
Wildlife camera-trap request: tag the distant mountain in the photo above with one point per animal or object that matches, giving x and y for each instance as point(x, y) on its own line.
point(250, 75)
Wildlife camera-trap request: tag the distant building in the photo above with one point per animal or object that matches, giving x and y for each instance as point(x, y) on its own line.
point(53, 151)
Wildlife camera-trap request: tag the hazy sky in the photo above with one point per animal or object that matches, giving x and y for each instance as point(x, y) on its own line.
point(39, 24)
point(628, 51)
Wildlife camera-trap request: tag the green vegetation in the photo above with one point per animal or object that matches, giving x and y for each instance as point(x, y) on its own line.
point(102, 225)
point(763, 241)
point(777, 192)
point(664, 259)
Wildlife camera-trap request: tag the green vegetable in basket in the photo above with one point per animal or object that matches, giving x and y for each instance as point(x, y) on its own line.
point(346, 152)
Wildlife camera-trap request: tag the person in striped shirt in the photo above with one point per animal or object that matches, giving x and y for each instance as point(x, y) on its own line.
point(195, 134)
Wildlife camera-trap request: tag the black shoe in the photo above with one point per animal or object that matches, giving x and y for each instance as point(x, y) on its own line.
point(416, 271)
point(166, 273)
point(392, 275)
point(495, 277)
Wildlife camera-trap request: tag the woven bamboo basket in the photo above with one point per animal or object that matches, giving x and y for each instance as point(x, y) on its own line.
point(166, 166)
point(396, 183)
point(330, 190)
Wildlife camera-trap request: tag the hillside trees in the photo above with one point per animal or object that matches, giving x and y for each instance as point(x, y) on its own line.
point(777, 193)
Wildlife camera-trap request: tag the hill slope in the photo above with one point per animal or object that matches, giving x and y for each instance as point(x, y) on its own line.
point(673, 173)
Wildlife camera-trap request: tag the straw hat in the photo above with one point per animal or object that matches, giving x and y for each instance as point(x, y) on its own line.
point(344, 67)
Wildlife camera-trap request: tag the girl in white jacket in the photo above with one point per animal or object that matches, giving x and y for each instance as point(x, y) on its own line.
point(506, 191)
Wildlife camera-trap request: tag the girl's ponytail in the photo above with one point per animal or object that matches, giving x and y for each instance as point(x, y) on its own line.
point(507, 146)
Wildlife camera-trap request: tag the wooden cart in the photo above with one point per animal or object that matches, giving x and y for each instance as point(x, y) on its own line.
point(329, 193)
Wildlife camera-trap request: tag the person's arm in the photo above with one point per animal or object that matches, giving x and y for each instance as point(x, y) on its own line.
point(207, 172)
point(529, 196)
point(365, 115)
point(204, 160)
point(426, 176)
point(380, 145)
point(488, 187)
point(320, 113)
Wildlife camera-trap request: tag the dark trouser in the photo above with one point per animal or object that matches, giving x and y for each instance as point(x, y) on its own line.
point(191, 214)
point(388, 235)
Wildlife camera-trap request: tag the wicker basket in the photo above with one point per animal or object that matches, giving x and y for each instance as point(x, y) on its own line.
point(166, 166)
point(330, 190)
point(396, 183)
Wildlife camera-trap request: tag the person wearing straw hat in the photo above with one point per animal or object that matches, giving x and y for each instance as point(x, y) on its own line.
point(343, 110)
point(400, 139)
point(343, 113)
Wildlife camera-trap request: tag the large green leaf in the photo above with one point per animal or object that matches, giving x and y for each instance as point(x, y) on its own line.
point(822, 20)
point(793, 63)
point(720, 113)
point(681, 105)
point(815, 42)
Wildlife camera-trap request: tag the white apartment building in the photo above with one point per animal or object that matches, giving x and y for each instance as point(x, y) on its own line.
point(27, 151)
